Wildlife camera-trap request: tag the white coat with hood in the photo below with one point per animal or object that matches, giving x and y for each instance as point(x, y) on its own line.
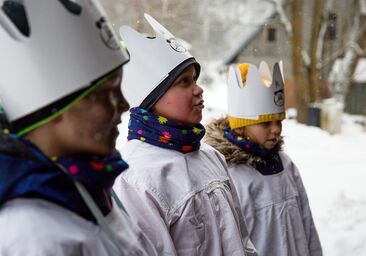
point(185, 203)
point(275, 207)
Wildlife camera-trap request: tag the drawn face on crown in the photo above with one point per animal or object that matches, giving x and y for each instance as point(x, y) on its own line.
point(176, 46)
point(106, 34)
point(279, 98)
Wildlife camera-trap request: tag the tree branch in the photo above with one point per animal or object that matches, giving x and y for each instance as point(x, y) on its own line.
point(283, 17)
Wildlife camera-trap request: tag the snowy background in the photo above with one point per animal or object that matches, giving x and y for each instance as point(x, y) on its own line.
point(333, 169)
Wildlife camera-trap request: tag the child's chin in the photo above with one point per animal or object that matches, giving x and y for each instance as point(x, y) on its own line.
point(269, 147)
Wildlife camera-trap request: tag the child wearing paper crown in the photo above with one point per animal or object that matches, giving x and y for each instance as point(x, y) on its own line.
point(58, 126)
point(272, 195)
point(178, 188)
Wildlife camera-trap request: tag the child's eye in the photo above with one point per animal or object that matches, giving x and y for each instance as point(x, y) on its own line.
point(279, 123)
point(266, 124)
point(184, 81)
point(98, 96)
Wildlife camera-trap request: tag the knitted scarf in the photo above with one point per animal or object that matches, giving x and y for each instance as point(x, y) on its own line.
point(162, 132)
point(31, 174)
point(271, 163)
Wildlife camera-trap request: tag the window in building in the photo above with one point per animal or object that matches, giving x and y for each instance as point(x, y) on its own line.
point(332, 26)
point(271, 34)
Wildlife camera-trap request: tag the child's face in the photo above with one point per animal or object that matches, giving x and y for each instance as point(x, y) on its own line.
point(183, 101)
point(90, 127)
point(265, 134)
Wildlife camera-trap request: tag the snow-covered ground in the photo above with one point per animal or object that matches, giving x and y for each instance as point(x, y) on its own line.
point(333, 168)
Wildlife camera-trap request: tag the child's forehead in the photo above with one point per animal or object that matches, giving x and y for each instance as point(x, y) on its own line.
point(190, 68)
point(188, 71)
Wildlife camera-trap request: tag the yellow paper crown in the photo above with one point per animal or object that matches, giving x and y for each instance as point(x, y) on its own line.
point(254, 96)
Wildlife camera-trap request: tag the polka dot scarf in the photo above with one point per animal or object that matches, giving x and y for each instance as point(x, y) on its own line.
point(163, 132)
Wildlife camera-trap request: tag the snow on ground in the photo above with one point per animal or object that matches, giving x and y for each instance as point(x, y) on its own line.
point(333, 168)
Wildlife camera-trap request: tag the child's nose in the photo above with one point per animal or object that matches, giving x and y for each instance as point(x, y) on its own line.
point(276, 127)
point(198, 91)
point(121, 105)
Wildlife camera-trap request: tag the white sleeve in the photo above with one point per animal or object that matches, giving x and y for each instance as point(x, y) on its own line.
point(315, 248)
point(142, 207)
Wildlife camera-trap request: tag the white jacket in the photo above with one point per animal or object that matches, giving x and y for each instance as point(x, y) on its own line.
point(183, 202)
point(35, 227)
point(277, 210)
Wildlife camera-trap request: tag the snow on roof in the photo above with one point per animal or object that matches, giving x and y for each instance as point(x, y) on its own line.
point(359, 76)
point(251, 31)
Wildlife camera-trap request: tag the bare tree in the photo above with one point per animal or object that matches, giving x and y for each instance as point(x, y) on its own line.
point(341, 77)
point(299, 72)
point(314, 59)
point(304, 66)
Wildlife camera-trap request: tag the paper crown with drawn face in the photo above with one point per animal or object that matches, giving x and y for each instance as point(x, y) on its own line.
point(60, 47)
point(254, 95)
point(152, 61)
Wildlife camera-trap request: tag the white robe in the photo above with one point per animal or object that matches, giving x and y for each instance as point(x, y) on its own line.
point(185, 203)
point(277, 211)
point(35, 227)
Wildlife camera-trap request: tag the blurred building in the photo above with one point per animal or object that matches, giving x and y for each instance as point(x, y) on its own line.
point(269, 41)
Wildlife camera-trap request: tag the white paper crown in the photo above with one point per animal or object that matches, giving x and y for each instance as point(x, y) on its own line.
point(262, 93)
point(63, 53)
point(151, 60)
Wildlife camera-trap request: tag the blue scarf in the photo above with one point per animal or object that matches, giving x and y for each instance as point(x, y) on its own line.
point(41, 177)
point(270, 162)
point(162, 132)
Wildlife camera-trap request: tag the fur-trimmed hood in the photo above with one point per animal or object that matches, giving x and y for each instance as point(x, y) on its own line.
point(234, 155)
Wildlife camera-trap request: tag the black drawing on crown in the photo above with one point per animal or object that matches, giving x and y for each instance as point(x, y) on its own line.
point(279, 98)
point(106, 34)
point(176, 46)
